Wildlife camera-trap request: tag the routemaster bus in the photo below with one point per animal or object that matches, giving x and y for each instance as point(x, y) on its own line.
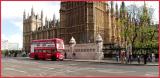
point(47, 49)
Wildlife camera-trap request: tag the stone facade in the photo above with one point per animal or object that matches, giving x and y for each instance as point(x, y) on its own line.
point(34, 29)
point(84, 20)
point(82, 51)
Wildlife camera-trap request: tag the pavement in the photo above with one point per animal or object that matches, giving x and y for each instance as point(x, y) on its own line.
point(111, 61)
point(24, 66)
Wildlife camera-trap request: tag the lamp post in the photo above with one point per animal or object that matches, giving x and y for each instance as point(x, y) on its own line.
point(72, 43)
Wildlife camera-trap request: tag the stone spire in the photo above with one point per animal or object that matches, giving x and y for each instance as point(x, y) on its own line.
point(54, 17)
point(41, 17)
point(32, 11)
point(122, 10)
point(28, 15)
point(42, 14)
point(107, 7)
point(54, 20)
point(24, 15)
point(117, 14)
point(145, 16)
point(112, 9)
point(46, 21)
point(145, 8)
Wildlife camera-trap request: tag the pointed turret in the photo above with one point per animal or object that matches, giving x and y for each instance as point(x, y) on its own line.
point(28, 15)
point(24, 15)
point(145, 8)
point(122, 10)
point(112, 9)
point(48, 24)
point(117, 14)
point(32, 11)
point(145, 16)
point(46, 21)
point(41, 14)
point(37, 16)
point(54, 19)
point(41, 17)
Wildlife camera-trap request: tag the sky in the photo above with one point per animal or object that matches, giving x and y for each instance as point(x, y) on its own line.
point(12, 15)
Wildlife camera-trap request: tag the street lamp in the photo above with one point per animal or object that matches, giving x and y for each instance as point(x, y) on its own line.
point(72, 43)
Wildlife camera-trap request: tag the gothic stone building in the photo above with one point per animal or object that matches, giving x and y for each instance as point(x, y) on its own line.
point(85, 20)
point(34, 29)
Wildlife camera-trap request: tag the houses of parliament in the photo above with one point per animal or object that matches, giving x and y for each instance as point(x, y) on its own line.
point(83, 20)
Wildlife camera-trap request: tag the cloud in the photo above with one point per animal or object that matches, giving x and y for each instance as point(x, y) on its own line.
point(13, 10)
point(18, 24)
point(3, 37)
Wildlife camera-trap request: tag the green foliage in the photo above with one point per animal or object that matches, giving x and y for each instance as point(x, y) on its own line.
point(139, 34)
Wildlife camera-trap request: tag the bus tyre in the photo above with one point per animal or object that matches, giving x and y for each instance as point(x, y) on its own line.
point(53, 58)
point(44, 59)
point(61, 59)
point(36, 57)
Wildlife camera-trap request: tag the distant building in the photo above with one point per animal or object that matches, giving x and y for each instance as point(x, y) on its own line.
point(4, 45)
point(13, 46)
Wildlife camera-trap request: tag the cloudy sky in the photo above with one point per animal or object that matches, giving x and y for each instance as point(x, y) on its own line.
point(12, 14)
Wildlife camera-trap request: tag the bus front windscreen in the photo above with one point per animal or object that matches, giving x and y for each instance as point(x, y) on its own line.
point(60, 45)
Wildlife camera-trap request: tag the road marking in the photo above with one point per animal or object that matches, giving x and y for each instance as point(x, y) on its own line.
point(151, 74)
point(47, 68)
point(72, 64)
point(115, 71)
point(15, 70)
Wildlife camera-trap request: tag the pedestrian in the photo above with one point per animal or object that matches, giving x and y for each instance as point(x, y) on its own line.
point(74, 55)
point(153, 57)
point(9, 53)
point(130, 58)
point(6, 53)
point(117, 57)
point(149, 58)
point(138, 59)
point(23, 54)
point(65, 55)
point(123, 57)
point(15, 54)
point(145, 58)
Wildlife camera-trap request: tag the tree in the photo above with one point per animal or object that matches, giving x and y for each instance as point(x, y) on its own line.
point(137, 28)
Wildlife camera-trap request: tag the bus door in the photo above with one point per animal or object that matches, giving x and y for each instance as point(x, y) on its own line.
point(40, 53)
point(48, 54)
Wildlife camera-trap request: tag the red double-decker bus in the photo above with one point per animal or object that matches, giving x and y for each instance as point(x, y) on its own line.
point(47, 49)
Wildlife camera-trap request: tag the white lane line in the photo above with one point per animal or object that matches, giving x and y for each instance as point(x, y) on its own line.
point(16, 70)
point(50, 68)
point(151, 74)
point(115, 71)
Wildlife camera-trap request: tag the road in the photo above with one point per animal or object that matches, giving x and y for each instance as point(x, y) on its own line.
point(20, 66)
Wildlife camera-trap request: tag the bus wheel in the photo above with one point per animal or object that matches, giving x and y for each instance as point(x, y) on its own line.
point(36, 57)
point(61, 59)
point(53, 58)
point(44, 59)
